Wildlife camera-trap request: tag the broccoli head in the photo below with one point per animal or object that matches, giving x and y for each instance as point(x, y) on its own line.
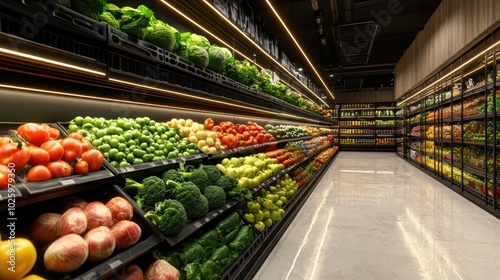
point(212, 172)
point(226, 182)
point(197, 176)
point(191, 198)
point(200, 179)
point(169, 216)
point(200, 209)
point(173, 175)
point(150, 191)
point(216, 197)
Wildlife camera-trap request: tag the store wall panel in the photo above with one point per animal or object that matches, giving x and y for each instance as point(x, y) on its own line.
point(367, 96)
point(454, 27)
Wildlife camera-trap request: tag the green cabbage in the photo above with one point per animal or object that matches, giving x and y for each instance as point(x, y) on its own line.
point(197, 55)
point(161, 35)
point(198, 40)
point(227, 52)
point(216, 58)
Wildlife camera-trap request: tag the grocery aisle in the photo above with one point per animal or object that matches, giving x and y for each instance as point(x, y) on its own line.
point(375, 216)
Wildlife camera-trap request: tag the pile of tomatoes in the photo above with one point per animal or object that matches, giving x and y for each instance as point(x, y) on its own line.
point(38, 149)
point(237, 135)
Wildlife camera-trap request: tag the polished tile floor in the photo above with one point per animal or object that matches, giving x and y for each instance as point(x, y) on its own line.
point(375, 216)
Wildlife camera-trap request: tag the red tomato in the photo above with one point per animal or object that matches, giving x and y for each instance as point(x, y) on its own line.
point(59, 168)
point(34, 133)
point(86, 145)
point(54, 148)
point(4, 176)
point(10, 153)
point(39, 173)
point(72, 149)
point(94, 158)
point(75, 135)
point(82, 167)
point(39, 156)
point(53, 132)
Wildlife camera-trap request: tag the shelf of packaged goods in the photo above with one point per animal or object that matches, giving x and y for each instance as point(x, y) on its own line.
point(359, 126)
point(357, 109)
point(357, 135)
point(357, 118)
point(387, 135)
point(249, 262)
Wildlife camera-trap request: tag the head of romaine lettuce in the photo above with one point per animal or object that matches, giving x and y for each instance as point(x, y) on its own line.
point(216, 59)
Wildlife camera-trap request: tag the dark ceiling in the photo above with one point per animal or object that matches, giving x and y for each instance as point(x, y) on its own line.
point(354, 44)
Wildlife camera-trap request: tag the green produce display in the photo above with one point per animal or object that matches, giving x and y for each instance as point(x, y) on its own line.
point(250, 171)
point(286, 131)
point(128, 141)
point(210, 253)
point(169, 216)
point(147, 193)
point(266, 206)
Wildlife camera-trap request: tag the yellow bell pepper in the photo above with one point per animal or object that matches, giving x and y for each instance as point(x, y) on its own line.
point(17, 256)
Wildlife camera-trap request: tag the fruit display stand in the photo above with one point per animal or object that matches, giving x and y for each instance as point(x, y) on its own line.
point(80, 67)
point(370, 127)
point(452, 127)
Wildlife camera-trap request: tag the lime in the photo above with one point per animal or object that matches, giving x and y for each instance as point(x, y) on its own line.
point(73, 128)
point(106, 138)
point(139, 121)
point(78, 120)
point(114, 163)
point(120, 122)
point(114, 143)
point(111, 130)
point(124, 163)
point(99, 123)
point(147, 158)
point(122, 146)
point(137, 161)
point(100, 133)
point(127, 136)
point(87, 126)
point(130, 158)
point(112, 152)
point(120, 156)
point(104, 148)
point(88, 120)
point(96, 143)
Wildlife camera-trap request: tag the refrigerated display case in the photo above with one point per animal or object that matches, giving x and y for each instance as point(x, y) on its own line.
point(452, 125)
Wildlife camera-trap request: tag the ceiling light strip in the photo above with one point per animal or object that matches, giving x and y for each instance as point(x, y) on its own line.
point(50, 61)
point(449, 74)
point(298, 46)
point(262, 50)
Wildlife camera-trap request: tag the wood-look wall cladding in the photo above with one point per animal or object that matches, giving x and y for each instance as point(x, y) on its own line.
point(455, 25)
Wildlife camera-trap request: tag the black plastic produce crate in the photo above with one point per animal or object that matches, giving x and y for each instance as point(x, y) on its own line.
point(98, 270)
point(55, 16)
point(38, 191)
point(191, 227)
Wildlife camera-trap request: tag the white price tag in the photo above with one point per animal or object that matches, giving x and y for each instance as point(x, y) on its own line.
point(115, 264)
point(67, 182)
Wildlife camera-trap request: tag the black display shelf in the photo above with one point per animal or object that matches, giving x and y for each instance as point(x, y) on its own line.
point(134, 57)
point(89, 270)
point(189, 229)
